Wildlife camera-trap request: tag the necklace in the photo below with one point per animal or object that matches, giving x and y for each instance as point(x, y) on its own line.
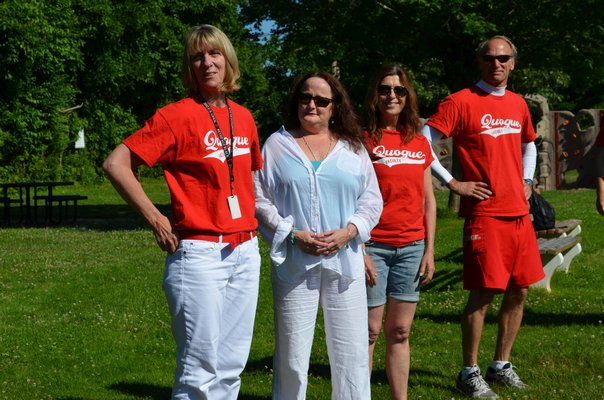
point(313, 153)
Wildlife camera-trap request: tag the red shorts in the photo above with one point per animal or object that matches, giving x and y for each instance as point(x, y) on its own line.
point(500, 253)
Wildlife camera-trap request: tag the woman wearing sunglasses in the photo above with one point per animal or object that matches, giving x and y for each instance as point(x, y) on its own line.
point(317, 200)
point(400, 254)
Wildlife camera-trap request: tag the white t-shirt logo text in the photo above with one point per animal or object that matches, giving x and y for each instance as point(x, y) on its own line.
point(396, 157)
point(214, 146)
point(498, 126)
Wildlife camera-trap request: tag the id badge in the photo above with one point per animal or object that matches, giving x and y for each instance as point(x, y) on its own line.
point(234, 206)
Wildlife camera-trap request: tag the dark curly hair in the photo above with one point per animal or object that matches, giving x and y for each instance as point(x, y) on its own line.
point(344, 123)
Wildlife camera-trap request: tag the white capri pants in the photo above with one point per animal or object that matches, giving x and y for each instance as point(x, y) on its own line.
point(344, 306)
point(212, 292)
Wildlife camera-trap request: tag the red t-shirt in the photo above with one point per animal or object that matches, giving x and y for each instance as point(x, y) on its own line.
point(488, 133)
point(400, 171)
point(181, 137)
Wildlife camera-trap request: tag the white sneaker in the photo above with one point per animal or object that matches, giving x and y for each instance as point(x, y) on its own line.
point(475, 386)
point(505, 376)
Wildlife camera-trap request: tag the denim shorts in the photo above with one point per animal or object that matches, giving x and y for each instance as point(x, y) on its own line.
point(397, 271)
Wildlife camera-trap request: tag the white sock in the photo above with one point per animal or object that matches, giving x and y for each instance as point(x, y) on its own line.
point(497, 365)
point(465, 371)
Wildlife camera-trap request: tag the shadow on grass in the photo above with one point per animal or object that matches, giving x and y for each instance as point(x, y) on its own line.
point(113, 217)
point(560, 319)
point(261, 365)
point(70, 398)
point(145, 390)
point(419, 377)
point(106, 217)
point(243, 396)
point(157, 392)
point(530, 318)
point(445, 279)
point(455, 256)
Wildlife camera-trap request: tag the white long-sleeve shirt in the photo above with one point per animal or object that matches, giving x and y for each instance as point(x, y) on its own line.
point(290, 193)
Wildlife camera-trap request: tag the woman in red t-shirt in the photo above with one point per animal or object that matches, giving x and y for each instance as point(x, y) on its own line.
point(401, 249)
point(208, 147)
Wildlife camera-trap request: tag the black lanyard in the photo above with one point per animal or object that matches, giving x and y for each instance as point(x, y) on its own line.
point(228, 153)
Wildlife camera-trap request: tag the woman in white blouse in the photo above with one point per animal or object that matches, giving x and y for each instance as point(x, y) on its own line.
point(317, 199)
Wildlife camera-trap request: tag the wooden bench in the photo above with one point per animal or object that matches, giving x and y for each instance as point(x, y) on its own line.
point(63, 205)
point(568, 227)
point(556, 255)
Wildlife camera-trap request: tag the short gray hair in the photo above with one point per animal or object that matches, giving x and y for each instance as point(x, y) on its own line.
point(481, 49)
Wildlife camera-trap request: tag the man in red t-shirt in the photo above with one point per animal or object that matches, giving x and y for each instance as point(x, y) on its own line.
point(493, 136)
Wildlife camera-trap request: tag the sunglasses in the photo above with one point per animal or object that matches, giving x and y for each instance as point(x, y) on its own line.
point(322, 102)
point(399, 91)
point(502, 59)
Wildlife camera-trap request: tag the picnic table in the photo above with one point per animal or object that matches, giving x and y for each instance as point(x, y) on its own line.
point(26, 196)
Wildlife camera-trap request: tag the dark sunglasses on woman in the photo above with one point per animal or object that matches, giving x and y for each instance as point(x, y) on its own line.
point(399, 91)
point(320, 101)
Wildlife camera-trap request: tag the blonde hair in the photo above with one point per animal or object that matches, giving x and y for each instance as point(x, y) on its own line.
point(209, 37)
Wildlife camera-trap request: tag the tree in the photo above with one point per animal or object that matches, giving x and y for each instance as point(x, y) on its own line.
point(133, 56)
point(120, 59)
point(559, 43)
point(40, 58)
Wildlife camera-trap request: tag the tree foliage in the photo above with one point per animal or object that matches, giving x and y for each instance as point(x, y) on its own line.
point(559, 43)
point(120, 60)
point(40, 53)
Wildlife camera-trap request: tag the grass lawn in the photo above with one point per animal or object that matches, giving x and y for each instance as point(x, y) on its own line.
point(83, 315)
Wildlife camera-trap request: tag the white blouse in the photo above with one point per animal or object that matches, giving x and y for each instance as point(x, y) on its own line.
point(290, 193)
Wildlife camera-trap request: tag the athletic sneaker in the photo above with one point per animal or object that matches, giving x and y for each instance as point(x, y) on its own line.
point(506, 376)
point(475, 386)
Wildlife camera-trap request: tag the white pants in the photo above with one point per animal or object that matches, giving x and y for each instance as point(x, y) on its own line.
point(212, 292)
point(345, 316)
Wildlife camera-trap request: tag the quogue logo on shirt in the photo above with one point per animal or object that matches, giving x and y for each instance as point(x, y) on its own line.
point(498, 126)
point(394, 157)
point(214, 146)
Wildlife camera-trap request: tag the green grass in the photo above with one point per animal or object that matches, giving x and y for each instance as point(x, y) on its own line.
point(83, 316)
